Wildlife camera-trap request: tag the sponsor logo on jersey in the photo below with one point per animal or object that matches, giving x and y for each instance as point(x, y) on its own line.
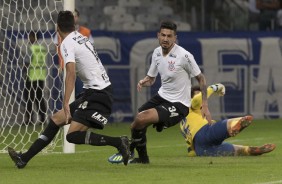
point(171, 65)
point(99, 118)
point(65, 50)
point(187, 57)
point(172, 55)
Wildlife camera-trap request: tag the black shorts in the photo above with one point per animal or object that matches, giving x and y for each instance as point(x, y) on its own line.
point(170, 113)
point(93, 107)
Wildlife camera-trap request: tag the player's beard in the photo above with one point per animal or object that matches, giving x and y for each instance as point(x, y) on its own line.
point(166, 47)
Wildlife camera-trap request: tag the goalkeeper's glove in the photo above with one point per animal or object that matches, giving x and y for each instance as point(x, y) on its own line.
point(218, 89)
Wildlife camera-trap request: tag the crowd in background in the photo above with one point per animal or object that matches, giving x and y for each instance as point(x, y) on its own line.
point(144, 15)
point(237, 15)
point(190, 15)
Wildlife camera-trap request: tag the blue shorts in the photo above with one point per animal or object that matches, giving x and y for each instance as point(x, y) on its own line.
point(208, 141)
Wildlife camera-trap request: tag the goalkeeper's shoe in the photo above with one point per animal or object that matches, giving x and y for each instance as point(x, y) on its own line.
point(144, 160)
point(124, 149)
point(117, 158)
point(240, 125)
point(16, 157)
point(259, 150)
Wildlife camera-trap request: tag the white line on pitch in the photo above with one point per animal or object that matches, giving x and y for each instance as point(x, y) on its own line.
point(271, 182)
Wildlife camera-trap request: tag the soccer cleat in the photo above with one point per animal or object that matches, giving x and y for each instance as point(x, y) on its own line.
point(117, 158)
point(16, 157)
point(259, 150)
point(124, 149)
point(240, 125)
point(139, 161)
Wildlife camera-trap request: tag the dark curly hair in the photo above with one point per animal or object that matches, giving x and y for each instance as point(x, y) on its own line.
point(65, 21)
point(168, 24)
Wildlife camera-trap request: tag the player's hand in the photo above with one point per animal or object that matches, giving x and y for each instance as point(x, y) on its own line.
point(219, 89)
point(67, 113)
point(141, 83)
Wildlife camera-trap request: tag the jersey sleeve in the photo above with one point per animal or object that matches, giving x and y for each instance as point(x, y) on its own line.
point(196, 101)
point(67, 50)
point(190, 65)
point(56, 39)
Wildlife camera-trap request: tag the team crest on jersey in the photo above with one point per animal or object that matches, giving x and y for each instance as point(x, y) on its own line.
point(171, 65)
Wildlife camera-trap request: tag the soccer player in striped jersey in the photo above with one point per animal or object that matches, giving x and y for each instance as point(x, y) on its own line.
point(205, 139)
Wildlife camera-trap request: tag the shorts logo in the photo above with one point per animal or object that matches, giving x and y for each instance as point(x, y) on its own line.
point(83, 105)
point(99, 118)
point(172, 110)
point(164, 107)
point(171, 65)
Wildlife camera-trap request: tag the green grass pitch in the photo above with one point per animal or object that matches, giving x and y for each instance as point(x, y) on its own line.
point(169, 163)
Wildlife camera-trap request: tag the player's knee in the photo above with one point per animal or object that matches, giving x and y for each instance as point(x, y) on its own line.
point(59, 118)
point(139, 119)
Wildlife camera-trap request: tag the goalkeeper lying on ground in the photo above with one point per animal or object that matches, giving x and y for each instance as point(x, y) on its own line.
point(205, 139)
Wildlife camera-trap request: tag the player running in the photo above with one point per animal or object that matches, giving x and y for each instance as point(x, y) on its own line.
point(176, 67)
point(91, 110)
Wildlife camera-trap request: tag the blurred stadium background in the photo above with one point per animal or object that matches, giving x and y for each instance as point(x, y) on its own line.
point(234, 44)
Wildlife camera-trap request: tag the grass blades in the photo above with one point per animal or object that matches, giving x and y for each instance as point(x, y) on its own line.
point(169, 161)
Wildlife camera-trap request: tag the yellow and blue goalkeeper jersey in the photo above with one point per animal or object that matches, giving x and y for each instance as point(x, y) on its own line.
point(194, 121)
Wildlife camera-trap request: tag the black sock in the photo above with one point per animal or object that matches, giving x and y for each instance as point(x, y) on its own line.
point(45, 138)
point(83, 137)
point(134, 138)
point(141, 148)
point(139, 141)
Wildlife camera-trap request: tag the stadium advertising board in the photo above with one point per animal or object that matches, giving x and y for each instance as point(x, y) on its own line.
point(247, 63)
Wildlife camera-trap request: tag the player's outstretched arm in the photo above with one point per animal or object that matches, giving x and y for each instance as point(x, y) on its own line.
point(205, 110)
